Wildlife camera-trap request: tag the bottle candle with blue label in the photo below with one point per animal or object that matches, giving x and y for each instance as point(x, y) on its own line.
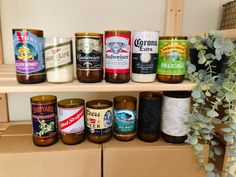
point(125, 117)
point(29, 57)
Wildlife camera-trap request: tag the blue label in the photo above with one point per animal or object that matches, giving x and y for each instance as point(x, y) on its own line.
point(44, 119)
point(125, 120)
point(28, 52)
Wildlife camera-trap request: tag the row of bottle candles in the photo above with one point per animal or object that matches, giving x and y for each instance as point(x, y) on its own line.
point(151, 55)
point(101, 121)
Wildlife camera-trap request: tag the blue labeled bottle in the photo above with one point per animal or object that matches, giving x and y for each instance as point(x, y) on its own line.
point(125, 117)
point(29, 55)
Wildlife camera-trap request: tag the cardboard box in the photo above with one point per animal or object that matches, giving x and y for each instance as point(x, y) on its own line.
point(18, 130)
point(157, 159)
point(20, 157)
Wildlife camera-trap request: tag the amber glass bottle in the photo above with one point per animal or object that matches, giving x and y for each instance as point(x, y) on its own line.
point(117, 56)
point(149, 116)
point(44, 120)
point(89, 57)
point(71, 120)
point(125, 117)
point(175, 113)
point(99, 120)
point(29, 56)
point(171, 64)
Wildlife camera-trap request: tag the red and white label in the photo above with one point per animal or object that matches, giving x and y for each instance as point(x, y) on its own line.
point(117, 53)
point(71, 120)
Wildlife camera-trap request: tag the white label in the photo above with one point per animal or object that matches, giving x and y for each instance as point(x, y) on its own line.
point(58, 55)
point(175, 113)
point(99, 118)
point(71, 120)
point(145, 42)
point(117, 53)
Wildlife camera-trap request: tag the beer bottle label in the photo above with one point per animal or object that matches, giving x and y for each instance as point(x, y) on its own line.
point(172, 57)
point(28, 50)
point(144, 55)
point(99, 121)
point(59, 55)
point(71, 120)
point(175, 114)
point(44, 119)
point(125, 121)
point(117, 53)
point(89, 53)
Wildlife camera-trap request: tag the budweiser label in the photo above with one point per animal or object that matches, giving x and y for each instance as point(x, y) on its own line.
point(71, 120)
point(117, 53)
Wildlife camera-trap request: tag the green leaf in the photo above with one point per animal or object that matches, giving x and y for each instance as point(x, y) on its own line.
point(228, 137)
point(230, 96)
point(210, 174)
point(192, 140)
point(209, 167)
point(212, 113)
point(208, 93)
point(201, 60)
point(218, 151)
point(233, 126)
point(226, 130)
point(196, 93)
point(232, 153)
point(229, 175)
point(216, 121)
point(198, 147)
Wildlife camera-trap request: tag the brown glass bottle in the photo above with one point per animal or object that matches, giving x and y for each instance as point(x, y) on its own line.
point(99, 120)
point(29, 56)
point(71, 120)
point(117, 56)
point(175, 113)
point(149, 116)
point(171, 64)
point(89, 57)
point(44, 120)
point(125, 117)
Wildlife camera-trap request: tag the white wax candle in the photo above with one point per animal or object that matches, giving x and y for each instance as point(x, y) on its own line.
point(58, 59)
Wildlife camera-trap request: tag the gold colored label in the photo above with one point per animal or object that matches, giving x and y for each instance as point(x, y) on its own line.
point(99, 118)
point(88, 45)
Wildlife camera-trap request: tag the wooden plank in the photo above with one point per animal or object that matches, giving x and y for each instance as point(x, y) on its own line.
point(1, 48)
point(3, 108)
point(174, 17)
point(75, 86)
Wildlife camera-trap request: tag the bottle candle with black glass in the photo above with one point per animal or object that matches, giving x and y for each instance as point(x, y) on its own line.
point(175, 114)
point(149, 116)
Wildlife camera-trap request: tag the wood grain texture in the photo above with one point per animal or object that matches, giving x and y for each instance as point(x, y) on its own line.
point(174, 17)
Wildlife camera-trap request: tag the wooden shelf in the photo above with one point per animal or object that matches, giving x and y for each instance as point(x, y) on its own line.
point(8, 84)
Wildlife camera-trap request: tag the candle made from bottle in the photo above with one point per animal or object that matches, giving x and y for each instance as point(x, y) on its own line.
point(125, 117)
point(44, 119)
point(29, 58)
point(59, 59)
point(149, 116)
point(71, 120)
point(175, 115)
point(99, 120)
point(144, 56)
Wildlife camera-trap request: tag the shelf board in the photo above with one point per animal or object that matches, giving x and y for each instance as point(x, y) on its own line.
point(8, 84)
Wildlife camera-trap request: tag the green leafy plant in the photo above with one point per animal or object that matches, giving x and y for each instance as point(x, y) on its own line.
point(213, 99)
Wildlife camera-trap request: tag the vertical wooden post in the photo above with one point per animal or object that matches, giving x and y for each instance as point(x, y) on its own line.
point(174, 17)
point(3, 96)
